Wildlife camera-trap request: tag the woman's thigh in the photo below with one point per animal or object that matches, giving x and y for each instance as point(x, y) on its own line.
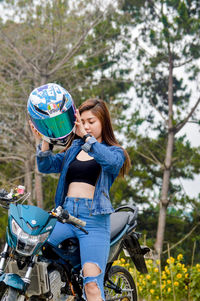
point(94, 247)
point(60, 233)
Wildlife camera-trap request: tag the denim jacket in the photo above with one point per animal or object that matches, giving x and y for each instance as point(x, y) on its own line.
point(110, 158)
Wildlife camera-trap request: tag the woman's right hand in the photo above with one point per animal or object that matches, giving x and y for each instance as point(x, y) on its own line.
point(38, 138)
point(35, 132)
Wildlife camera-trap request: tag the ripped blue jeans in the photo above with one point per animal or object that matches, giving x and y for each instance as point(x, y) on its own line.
point(94, 246)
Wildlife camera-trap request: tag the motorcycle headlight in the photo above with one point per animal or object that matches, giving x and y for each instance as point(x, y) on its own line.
point(27, 243)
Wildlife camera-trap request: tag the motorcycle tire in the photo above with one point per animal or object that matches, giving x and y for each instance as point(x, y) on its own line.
point(9, 294)
point(124, 282)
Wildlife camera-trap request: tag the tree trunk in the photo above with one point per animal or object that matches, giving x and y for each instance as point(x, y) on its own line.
point(38, 176)
point(164, 201)
point(38, 187)
point(28, 180)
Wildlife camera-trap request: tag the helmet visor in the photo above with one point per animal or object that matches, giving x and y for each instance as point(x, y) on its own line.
point(56, 127)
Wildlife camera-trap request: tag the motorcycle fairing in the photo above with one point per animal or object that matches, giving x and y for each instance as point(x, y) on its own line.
point(31, 219)
point(13, 280)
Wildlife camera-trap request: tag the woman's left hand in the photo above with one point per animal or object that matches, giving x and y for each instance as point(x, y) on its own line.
point(80, 130)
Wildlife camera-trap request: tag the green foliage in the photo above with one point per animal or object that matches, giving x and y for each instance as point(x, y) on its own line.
point(3, 222)
point(172, 281)
point(49, 187)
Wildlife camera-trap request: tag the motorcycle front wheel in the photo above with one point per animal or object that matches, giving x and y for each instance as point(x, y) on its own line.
point(10, 294)
point(120, 285)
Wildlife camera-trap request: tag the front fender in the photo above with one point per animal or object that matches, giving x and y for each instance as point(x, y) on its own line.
point(13, 280)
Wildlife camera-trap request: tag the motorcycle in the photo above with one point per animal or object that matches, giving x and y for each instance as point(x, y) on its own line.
point(31, 269)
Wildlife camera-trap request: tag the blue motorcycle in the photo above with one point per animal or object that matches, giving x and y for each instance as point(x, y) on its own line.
point(31, 269)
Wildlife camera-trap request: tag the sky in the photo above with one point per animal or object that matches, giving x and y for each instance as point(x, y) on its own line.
point(192, 187)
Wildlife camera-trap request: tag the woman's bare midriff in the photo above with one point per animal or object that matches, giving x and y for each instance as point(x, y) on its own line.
point(80, 190)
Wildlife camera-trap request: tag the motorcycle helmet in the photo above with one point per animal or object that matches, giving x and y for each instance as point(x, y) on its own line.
point(52, 111)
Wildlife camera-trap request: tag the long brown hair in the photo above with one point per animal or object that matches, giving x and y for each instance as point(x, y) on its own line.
point(99, 108)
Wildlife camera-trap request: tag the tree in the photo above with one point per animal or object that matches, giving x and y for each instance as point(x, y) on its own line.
point(166, 41)
point(71, 43)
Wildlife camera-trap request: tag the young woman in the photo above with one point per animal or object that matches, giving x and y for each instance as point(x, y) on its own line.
point(88, 168)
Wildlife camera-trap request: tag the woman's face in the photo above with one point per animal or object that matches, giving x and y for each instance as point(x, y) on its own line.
point(92, 124)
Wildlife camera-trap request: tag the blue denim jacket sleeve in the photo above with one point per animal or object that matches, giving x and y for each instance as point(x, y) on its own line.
point(48, 162)
point(111, 158)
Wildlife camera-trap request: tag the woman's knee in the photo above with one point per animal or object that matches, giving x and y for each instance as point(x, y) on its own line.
point(91, 269)
point(92, 275)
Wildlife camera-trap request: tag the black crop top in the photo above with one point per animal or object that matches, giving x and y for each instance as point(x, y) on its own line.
point(83, 171)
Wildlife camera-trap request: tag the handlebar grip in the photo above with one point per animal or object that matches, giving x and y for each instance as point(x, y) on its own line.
point(76, 221)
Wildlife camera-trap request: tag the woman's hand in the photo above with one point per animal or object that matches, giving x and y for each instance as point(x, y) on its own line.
point(38, 137)
point(35, 132)
point(80, 130)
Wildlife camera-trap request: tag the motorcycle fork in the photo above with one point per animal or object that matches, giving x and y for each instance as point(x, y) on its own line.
point(27, 277)
point(4, 256)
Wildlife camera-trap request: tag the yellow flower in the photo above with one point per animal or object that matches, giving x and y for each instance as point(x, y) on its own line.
point(179, 265)
point(140, 288)
point(169, 289)
point(197, 265)
point(176, 283)
point(144, 282)
point(163, 286)
point(154, 282)
point(158, 261)
point(157, 297)
point(131, 270)
point(179, 276)
point(184, 270)
point(180, 257)
point(123, 260)
point(152, 291)
point(186, 275)
point(156, 270)
point(186, 287)
point(169, 281)
point(148, 276)
point(149, 261)
point(164, 276)
point(170, 260)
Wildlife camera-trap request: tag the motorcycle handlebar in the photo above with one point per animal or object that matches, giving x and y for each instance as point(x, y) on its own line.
point(65, 217)
point(76, 221)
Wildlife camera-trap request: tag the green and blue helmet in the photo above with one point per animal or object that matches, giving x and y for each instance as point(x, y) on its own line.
point(52, 111)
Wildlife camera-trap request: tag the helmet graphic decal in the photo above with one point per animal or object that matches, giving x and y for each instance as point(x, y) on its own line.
point(52, 108)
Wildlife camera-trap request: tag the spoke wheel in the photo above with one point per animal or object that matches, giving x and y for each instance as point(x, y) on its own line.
point(123, 281)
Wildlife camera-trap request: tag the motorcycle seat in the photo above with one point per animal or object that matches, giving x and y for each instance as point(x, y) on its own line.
point(118, 221)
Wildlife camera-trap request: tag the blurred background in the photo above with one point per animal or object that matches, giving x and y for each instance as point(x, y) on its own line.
point(142, 58)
